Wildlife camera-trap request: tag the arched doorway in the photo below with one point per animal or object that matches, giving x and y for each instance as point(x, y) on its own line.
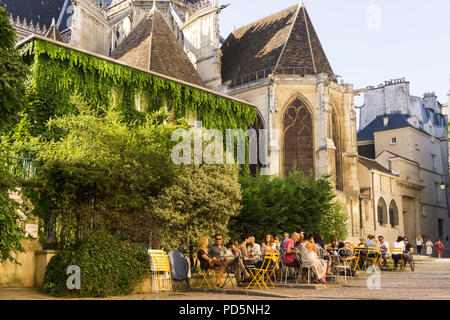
point(298, 143)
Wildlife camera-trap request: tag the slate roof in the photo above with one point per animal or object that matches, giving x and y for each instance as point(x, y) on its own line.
point(396, 121)
point(42, 11)
point(372, 164)
point(285, 42)
point(152, 46)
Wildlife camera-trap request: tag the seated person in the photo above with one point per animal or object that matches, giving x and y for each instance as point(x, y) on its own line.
point(335, 245)
point(208, 262)
point(318, 239)
point(254, 255)
point(217, 250)
point(276, 241)
point(384, 249)
point(408, 253)
point(235, 260)
point(268, 245)
point(289, 256)
point(398, 256)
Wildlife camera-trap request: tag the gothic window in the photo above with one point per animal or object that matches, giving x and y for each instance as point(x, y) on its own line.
point(382, 212)
point(336, 136)
point(393, 214)
point(298, 146)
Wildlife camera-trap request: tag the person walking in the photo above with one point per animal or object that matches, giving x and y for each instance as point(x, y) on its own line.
point(429, 245)
point(439, 246)
point(419, 244)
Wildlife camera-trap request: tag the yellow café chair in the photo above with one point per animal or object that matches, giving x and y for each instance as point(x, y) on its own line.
point(259, 275)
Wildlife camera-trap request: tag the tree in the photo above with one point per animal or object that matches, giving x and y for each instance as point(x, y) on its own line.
point(99, 172)
point(13, 73)
point(11, 232)
point(199, 203)
point(286, 204)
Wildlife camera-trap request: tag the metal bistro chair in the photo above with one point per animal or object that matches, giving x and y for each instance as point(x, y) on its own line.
point(260, 274)
point(397, 252)
point(342, 263)
point(161, 270)
point(359, 253)
point(304, 264)
point(373, 257)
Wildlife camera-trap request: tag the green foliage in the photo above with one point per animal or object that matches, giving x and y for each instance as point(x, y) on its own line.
point(285, 204)
point(335, 223)
point(59, 71)
point(199, 203)
point(13, 74)
point(99, 172)
point(107, 267)
point(11, 232)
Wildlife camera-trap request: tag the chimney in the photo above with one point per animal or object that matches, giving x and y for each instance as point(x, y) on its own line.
point(385, 121)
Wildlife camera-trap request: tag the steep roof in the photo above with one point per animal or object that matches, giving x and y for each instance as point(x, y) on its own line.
point(285, 42)
point(42, 11)
point(396, 121)
point(372, 164)
point(152, 46)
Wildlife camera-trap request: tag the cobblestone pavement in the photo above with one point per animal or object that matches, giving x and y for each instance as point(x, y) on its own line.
point(431, 280)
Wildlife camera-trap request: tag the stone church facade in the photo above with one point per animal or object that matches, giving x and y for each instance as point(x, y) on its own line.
point(276, 63)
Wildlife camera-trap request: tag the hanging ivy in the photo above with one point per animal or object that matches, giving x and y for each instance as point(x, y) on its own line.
point(61, 71)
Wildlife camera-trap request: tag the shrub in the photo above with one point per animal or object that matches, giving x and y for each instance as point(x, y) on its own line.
point(108, 268)
point(287, 204)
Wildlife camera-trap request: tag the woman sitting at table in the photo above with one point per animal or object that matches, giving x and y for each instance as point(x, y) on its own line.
point(207, 262)
point(268, 244)
point(310, 259)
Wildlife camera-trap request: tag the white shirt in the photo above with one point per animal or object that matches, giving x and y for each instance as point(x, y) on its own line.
point(400, 244)
point(385, 245)
point(419, 242)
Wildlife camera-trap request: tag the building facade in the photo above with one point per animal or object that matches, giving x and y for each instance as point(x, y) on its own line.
point(407, 136)
point(388, 175)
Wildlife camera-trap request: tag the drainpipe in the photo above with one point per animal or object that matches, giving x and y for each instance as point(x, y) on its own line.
point(361, 216)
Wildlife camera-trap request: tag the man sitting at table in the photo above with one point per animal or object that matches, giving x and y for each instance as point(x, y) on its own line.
point(289, 258)
point(254, 255)
point(217, 250)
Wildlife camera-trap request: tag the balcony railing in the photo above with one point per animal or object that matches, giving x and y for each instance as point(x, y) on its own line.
point(255, 76)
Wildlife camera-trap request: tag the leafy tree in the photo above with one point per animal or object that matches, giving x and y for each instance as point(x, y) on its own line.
point(99, 172)
point(11, 232)
point(286, 204)
point(13, 73)
point(199, 203)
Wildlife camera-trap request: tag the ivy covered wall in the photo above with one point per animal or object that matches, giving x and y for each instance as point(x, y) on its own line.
point(58, 72)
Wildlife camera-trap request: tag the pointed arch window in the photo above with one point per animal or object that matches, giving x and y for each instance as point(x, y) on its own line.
point(393, 214)
point(298, 140)
point(336, 137)
point(382, 212)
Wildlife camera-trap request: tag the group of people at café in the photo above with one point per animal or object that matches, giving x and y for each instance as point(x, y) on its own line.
point(297, 249)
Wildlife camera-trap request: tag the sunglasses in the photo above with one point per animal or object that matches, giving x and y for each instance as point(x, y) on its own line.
point(218, 238)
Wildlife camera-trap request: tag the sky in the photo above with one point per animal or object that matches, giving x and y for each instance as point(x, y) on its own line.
point(370, 41)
